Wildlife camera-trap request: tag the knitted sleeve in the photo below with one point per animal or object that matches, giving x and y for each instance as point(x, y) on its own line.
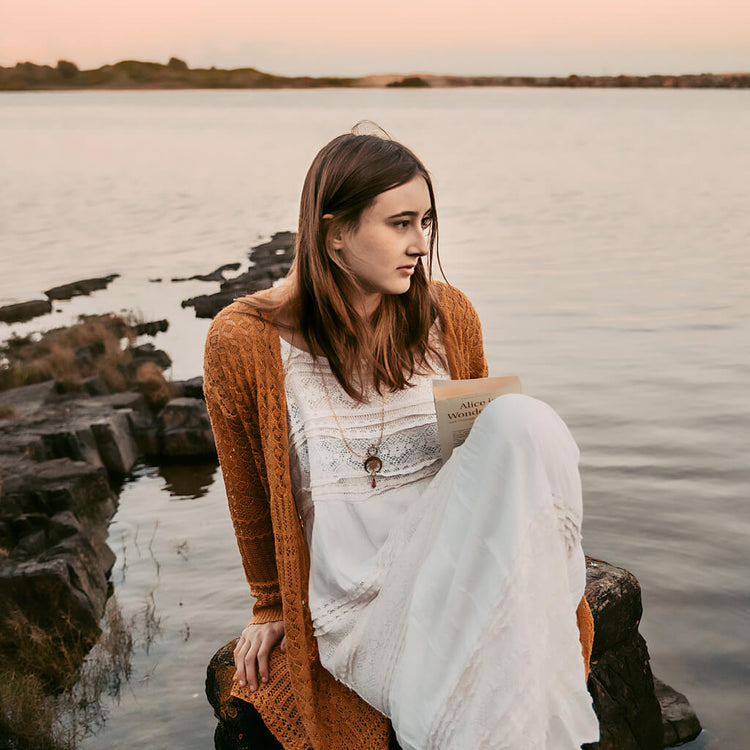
point(228, 387)
point(474, 342)
point(462, 320)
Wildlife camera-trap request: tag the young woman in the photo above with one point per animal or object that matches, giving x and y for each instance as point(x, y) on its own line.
point(444, 600)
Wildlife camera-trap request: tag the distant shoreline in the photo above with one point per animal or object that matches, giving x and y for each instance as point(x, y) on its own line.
point(133, 74)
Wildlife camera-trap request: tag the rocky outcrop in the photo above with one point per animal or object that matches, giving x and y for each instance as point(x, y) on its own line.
point(60, 451)
point(184, 429)
point(215, 275)
point(151, 328)
point(680, 722)
point(55, 563)
point(270, 261)
point(621, 682)
point(632, 714)
point(81, 287)
point(23, 311)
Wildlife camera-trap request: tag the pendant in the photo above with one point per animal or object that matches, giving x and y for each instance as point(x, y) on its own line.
point(373, 464)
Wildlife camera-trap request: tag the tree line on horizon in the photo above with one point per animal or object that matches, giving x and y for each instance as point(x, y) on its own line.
point(134, 74)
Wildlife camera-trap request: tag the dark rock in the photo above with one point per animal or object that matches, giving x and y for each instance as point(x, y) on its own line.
point(192, 388)
point(49, 487)
point(620, 682)
point(23, 311)
point(61, 526)
point(217, 275)
point(130, 401)
point(79, 288)
point(149, 353)
point(30, 545)
point(61, 597)
point(240, 726)
point(55, 564)
point(145, 433)
point(152, 328)
point(281, 244)
point(270, 261)
point(28, 523)
point(614, 596)
point(94, 386)
point(115, 442)
point(76, 442)
point(6, 537)
point(681, 725)
point(26, 399)
point(184, 428)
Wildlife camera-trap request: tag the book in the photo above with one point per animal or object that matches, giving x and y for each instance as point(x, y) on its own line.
point(459, 402)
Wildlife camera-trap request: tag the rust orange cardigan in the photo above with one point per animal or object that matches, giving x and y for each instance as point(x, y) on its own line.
point(302, 704)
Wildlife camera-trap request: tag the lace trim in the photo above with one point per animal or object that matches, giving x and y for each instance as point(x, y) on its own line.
point(323, 468)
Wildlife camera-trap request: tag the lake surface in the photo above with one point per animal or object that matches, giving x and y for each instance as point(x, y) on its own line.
point(604, 237)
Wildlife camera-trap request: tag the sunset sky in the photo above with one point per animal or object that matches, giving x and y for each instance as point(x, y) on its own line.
point(338, 37)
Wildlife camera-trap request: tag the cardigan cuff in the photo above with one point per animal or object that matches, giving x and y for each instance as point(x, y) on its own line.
point(269, 613)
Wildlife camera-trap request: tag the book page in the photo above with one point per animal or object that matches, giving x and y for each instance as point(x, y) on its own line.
point(459, 402)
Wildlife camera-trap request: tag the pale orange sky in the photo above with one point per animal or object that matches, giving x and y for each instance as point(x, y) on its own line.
point(333, 37)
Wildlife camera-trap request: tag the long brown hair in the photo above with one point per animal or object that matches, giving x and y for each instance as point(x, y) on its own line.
point(387, 349)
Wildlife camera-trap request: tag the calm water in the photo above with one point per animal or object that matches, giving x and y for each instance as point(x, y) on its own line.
point(604, 237)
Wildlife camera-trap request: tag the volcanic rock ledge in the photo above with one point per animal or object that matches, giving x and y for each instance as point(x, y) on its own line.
point(271, 261)
point(59, 453)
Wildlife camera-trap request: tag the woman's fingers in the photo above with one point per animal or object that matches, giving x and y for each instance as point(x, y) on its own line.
point(263, 652)
point(244, 659)
point(254, 647)
point(283, 643)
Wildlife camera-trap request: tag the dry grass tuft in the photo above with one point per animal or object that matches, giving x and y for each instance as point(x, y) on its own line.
point(91, 347)
point(98, 345)
point(150, 380)
point(29, 717)
point(52, 653)
point(33, 718)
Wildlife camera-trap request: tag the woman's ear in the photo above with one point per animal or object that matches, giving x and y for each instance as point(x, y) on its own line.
point(335, 234)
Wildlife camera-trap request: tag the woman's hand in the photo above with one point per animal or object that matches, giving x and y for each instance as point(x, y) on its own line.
point(254, 645)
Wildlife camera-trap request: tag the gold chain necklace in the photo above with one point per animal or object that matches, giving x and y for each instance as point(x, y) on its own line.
point(373, 463)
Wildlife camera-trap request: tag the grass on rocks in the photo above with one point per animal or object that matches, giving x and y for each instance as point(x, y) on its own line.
point(69, 355)
point(33, 718)
point(96, 346)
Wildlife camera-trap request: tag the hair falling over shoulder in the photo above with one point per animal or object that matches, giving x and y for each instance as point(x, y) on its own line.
point(317, 297)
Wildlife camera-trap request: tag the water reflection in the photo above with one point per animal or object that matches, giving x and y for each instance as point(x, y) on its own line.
point(188, 481)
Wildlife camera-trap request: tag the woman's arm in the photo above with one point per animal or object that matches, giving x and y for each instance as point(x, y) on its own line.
point(230, 399)
point(462, 327)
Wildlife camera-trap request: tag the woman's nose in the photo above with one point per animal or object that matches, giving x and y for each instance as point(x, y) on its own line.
point(419, 245)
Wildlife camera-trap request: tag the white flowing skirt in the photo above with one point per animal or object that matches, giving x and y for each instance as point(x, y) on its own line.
point(465, 635)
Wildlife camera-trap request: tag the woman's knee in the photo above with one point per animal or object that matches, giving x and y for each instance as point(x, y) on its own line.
point(518, 420)
point(514, 413)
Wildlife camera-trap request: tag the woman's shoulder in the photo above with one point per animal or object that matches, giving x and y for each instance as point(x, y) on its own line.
point(239, 327)
point(453, 303)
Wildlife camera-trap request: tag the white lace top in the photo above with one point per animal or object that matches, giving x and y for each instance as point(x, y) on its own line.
point(345, 519)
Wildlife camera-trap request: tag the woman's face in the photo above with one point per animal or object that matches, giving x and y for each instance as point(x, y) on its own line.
point(389, 241)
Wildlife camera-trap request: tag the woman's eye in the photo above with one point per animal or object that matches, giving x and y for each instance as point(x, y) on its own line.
point(402, 224)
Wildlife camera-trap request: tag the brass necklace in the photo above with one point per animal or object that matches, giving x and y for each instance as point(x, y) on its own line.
point(372, 463)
